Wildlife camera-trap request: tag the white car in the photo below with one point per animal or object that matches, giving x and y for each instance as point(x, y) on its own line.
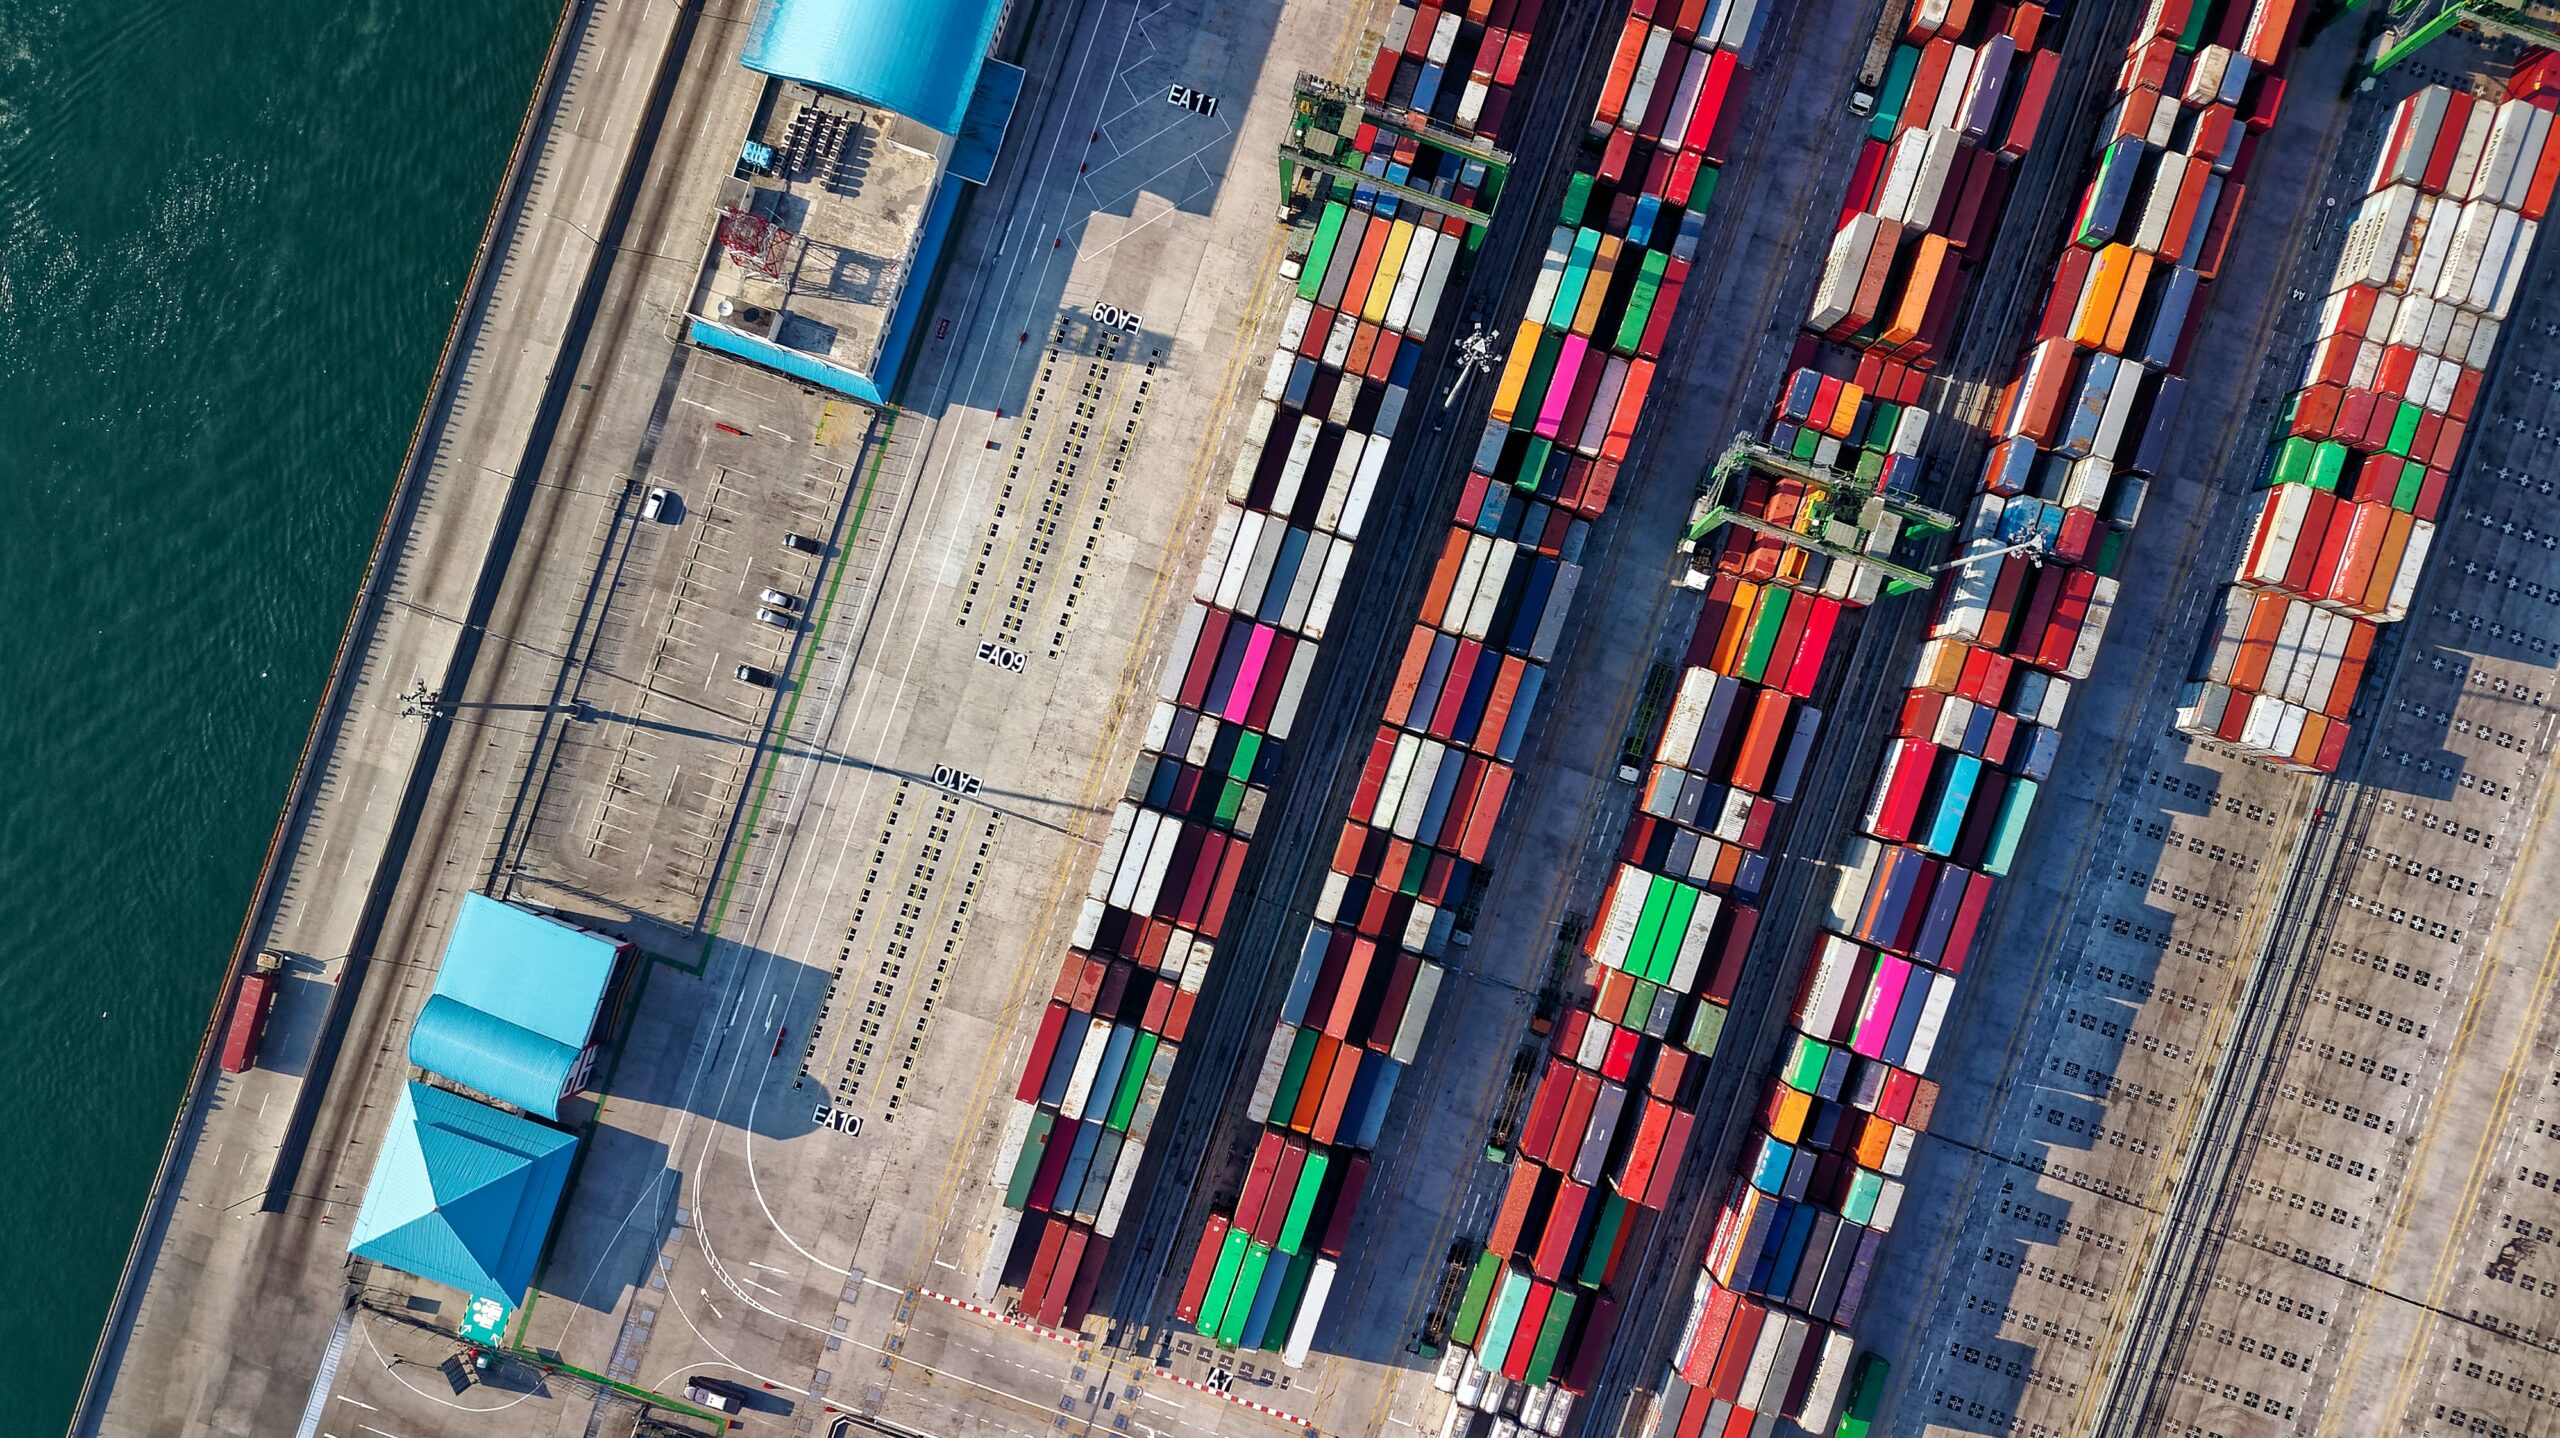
point(779, 600)
point(655, 507)
point(775, 617)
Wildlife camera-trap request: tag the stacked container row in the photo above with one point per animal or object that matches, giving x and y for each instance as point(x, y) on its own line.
point(2355, 478)
point(1439, 766)
point(1455, 62)
point(1375, 274)
point(2018, 621)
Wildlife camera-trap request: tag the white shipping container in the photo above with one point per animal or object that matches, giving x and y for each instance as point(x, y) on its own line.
point(2514, 277)
point(1435, 284)
point(1657, 45)
point(2413, 562)
point(2468, 150)
point(2528, 159)
point(1337, 342)
point(1249, 456)
point(1950, 97)
point(1337, 559)
point(1821, 1403)
point(1929, 193)
point(1841, 272)
point(1097, 1040)
point(1542, 297)
point(1302, 1333)
point(1688, 711)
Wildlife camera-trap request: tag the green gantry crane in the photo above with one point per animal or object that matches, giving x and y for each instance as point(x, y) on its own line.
point(1848, 522)
point(1324, 116)
point(2411, 24)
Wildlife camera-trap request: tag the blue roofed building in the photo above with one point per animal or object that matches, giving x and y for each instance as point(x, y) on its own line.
point(876, 117)
point(521, 1005)
point(463, 1194)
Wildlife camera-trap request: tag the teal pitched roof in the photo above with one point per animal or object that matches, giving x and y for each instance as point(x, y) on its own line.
point(514, 1003)
point(917, 57)
point(463, 1194)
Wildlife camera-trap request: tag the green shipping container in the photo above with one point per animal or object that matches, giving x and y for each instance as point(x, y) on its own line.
point(1017, 1190)
point(1704, 191)
point(1706, 1030)
point(2292, 462)
point(1133, 1081)
point(1808, 443)
point(1503, 1320)
point(1639, 1004)
point(2014, 808)
point(1257, 1259)
point(1657, 900)
point(1804, 1064)
point(1293, 1074)
point(1577, 197)
point(2110, 549)
point(2404, 429)
point(1230, 800)
point(1248, 749)
point(1577, 273)
point(1648, 288)
point(1764, 633)
point(1284, 1309)
point(1893, 94)
point(1222, 1280)
point(1542, 368)
point(1320, 254)
point(1870, 466)
point(1864, 1189)
point(1604, 1239)
point(1675, 931)
point(1302, 1204)
point(1417, 867)
point(1542, 1359)
point(1471, 1306)
point(2329, 466)
point(2413, 481)
point(1533, 458)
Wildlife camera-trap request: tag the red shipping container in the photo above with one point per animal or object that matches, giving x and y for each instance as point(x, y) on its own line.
point(1204, 1266)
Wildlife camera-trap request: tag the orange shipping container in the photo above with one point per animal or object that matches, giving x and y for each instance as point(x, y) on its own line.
point(1337, 1092)
point(1516, 1198)
point(2098, 296)
point(1622, 422)
point(1435, 600)
point(1928, 261)
point(2137, 278)
point(1622, 73)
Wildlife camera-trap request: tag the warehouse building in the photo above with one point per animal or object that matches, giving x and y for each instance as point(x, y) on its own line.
point(875, 116)
point(465, 1191)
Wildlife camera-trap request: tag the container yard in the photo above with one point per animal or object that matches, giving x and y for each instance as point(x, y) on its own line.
point(1367, 289)
point(1306, 897)
point(2019, 621)
point(2346, 511)
point(1564, 408)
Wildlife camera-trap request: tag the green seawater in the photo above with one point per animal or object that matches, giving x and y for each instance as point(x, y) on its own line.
point(231, 237)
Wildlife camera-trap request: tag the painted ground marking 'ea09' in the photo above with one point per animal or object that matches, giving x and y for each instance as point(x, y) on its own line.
point(1003, 656)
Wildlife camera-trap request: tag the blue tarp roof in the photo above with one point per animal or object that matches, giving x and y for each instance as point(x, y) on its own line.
point(917, 57)
point(514, 1003)
point(463, 1194)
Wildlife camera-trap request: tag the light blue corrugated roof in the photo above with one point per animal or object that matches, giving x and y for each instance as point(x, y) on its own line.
point(514, 1003)
point(463, 1194)
point(917, 57)
point(527, 968)
point(482, 1051)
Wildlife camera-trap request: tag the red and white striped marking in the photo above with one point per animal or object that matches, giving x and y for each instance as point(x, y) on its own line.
point(1072, 1340)
point(1292, 1419)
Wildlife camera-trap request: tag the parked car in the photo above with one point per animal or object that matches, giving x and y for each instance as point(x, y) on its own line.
point(657, 506)
point(794, 539)
point(775, 617)
point(761, 678)
point(779, 600)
